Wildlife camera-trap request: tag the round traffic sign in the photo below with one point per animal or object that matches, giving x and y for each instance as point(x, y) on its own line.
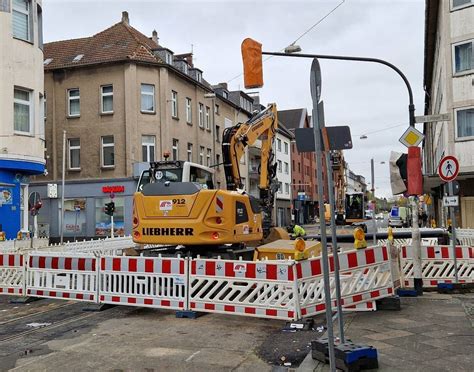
point(448, 168)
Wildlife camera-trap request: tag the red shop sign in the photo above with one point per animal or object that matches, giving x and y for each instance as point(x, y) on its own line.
point(110, 189)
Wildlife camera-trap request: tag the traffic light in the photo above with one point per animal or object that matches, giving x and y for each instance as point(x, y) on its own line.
point(109, 208)
point(398, 172)
point(253, 65)
point(414, 173)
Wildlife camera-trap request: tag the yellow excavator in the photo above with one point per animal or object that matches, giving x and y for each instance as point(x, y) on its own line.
point(190, 216)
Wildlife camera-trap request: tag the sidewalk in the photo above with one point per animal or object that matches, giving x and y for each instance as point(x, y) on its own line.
point(431, 333)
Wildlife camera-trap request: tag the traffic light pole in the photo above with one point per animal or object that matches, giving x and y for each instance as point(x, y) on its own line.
point(112, 226)
point(416, 243)
point(411, 105)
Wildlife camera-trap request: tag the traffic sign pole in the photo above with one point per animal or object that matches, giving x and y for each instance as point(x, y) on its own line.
point(453, 232)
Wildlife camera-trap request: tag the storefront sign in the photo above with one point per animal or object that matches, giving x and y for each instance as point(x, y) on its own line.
point(113, 189)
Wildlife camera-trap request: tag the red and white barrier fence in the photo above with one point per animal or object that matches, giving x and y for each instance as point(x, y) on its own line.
point(365, 277)
point(12, 274)
point(262, 289)
point(438, 265)
point(269, 289)
point(58, 275)
point(144, 281)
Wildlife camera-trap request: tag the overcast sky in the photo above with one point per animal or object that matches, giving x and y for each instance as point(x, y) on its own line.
point(367, 97)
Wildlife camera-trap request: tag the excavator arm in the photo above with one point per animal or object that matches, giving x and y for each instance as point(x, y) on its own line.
point(261, 126)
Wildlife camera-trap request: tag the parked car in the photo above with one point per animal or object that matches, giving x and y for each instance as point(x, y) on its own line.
point(395, 222)
point(379, 216)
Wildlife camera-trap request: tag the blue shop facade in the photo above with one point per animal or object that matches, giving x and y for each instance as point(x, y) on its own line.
point(14, 181)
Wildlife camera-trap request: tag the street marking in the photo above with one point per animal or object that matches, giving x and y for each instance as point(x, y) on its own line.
point(192, 356)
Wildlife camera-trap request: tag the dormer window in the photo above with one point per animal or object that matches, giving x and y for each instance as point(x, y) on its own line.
point(78, 58)
point(168, 58)
point(185, 67)
point(199, 76)
point(225, 94)
point(47, 61)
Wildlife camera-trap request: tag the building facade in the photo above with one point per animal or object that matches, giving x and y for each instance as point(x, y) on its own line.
point(303, 169)
point(123, 100)
point(21, 109)
point(448, 81)
point(282, 151)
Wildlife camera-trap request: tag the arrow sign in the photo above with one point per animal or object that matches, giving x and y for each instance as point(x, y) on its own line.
point(448, 168)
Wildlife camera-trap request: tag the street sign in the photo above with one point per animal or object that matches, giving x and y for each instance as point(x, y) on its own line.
point(448, 168)
point(432, 118)
point(450, 201)
point(52, 190)
point(411, 137)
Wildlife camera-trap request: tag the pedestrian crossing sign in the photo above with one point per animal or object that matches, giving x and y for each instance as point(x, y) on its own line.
point(411, 137)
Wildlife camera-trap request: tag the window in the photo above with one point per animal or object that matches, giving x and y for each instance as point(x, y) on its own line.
point(174, 104)
point(279, 144)
point(201, 155)
point(286, 148)
point(74, 146)
point(22, 106)
point(216, 109)
point(225, 94)
point(287, 168)
point(175, 149)
point(108, 156)
point(465, 122)
point(42, 108)
point(74, 106)
point(287, 188)
point(148, 98)
point(218, 133)
point(299, 167)
point(218, 161)
point(280, 187)
point(208, 158)
point(201, 115)
point(22, 19)
point(148, 148)
point(208, 118)
point(279, 166)
point(463, 56)
point(107, 94)
point(78, 58)
point(461, 3)
point(189, 110)
point(168, 58)
point(190, 151)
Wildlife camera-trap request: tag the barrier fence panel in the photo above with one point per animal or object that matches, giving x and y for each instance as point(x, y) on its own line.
point(365, 276)
point(12, 274)
point(261, 289)
point(438, 265)
point(144, 281)
point(62, 275)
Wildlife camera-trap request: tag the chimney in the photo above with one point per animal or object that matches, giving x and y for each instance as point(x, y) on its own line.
point(154, 36)
point(125, 17)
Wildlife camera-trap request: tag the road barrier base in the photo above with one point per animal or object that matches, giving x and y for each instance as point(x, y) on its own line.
point(389, 303)
point(299, 325)
point(189, 314)
point(24, 300)
point(349, 357)
point(97, 307)
point(455, 288)
point(407, 292)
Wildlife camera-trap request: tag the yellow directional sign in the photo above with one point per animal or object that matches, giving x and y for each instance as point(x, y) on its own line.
point(411, 137)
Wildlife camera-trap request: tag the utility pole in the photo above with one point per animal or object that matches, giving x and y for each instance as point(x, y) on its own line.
point(63, 181)
point(374, 223)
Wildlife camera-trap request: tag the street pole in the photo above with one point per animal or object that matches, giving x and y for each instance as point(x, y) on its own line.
point(61, 225)
point(315, 80)
point(374, 223)
point(416, 244)
point(453, 232)
point(335, 253)
point(112, 226)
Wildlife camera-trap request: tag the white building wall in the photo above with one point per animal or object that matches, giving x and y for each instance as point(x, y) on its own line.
point(21, 65)
point(283, 175)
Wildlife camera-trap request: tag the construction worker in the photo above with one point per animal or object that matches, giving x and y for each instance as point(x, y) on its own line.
point(298, 231)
